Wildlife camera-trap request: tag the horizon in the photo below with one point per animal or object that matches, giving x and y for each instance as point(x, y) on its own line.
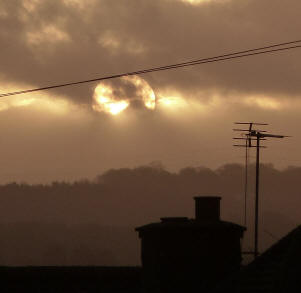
point(154, 165)
point(111, 130)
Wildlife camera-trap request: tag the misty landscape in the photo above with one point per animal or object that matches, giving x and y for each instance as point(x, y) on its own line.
point(150, 146)
point(93, 222)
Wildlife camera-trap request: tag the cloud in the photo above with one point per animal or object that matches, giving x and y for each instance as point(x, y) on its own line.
point(57, 135)
point(114, 96)
point(47, 35)
point(41, 102)
point(115, 37)
point(114, 43)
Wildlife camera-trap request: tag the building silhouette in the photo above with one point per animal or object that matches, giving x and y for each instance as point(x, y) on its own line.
point(187, 254)
point(277, 270)
point(178, 255)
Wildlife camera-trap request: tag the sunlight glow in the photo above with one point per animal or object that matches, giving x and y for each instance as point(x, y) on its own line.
point(172, 101)
point(144, 90)
point(23, 102)
point(105, 100)
point(187, 105)
point(264, 102)
point(117, 107)
point(197, 2)
point(16, 102)
point(194, 1)
point(40, 101)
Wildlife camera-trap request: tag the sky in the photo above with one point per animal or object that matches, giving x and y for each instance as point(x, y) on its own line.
point(178, 117)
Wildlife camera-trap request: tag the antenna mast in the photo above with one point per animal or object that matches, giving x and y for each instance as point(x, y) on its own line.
point(250, 135)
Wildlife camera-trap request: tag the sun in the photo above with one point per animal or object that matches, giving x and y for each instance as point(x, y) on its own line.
point(104, 102)
point(117, 107)
point(114, 101)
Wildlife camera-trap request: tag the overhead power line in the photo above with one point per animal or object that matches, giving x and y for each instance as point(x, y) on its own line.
point(234, 55)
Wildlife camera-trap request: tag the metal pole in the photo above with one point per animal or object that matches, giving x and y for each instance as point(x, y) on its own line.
point(257, 197)
point(246, 184)
point(260, 135)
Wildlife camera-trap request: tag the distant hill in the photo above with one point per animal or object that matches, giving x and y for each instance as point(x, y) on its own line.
point(92, 222)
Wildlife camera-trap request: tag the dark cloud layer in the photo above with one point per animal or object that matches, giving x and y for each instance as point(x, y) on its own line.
point(53, 41)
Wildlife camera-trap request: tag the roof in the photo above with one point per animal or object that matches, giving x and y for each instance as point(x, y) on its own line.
point(73, 279)
point(276, 270)
point(188, 224)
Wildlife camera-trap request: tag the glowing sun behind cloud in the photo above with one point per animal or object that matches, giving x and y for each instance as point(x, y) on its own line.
point(114, 97)
point(104, 102)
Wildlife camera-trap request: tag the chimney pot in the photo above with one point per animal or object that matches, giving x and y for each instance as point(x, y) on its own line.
point(207, 208)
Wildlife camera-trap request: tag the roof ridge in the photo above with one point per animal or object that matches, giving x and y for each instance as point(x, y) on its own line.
point(286, 248)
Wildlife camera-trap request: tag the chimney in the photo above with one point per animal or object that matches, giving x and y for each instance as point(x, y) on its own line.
point(207, 208)
point(187, 255)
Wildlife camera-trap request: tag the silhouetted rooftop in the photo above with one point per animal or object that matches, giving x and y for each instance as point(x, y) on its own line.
point(276, 270)
point(186, 223)
point(70, 279)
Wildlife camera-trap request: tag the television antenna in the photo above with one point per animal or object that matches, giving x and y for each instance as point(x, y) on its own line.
point(250, 135)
